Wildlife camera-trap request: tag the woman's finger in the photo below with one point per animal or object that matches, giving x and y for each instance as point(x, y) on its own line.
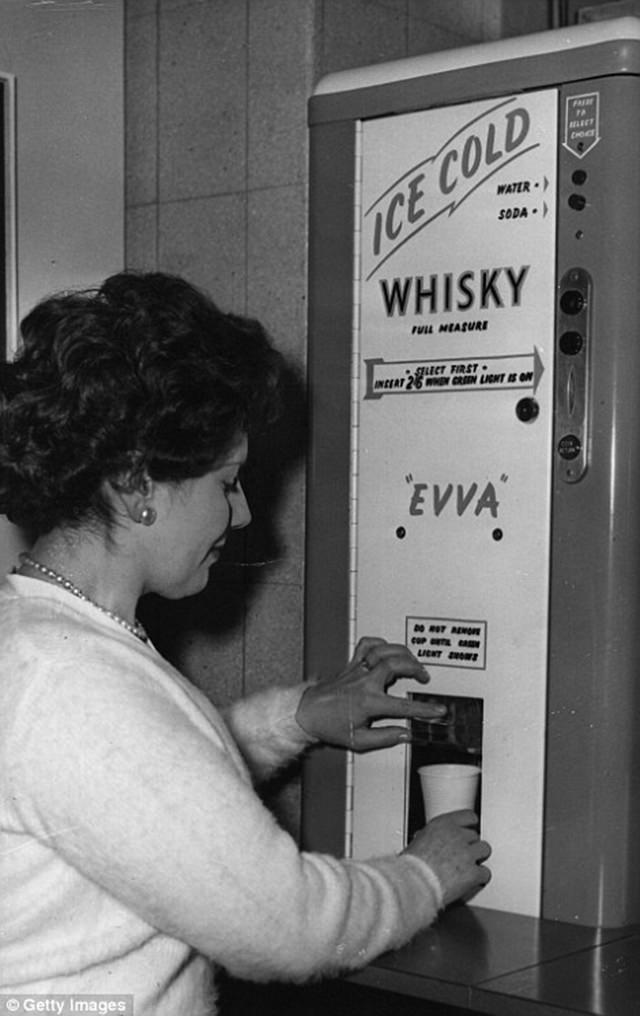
point(380, 650)
point(396, 657)
point(397, 661)
point(395, 669)
point(482, 850)
point(364, 646)
point(373, 738)
point(397, 707)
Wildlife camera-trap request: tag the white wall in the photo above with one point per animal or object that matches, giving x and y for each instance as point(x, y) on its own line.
point(66, 61)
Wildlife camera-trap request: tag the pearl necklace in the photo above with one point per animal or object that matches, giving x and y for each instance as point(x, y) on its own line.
point(136, 628)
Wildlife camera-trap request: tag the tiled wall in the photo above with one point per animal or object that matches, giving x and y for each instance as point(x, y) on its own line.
point(216, 191)
point(216, 96)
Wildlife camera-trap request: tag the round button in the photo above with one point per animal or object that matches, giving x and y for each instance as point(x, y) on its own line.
point(571, 343)
point(577, 202)
point(569, 446)
point(579, 176)
point(527, 410)
point(572, 301)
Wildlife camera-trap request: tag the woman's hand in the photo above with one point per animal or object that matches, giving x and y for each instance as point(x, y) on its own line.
point(453, 850)
point(341, 710)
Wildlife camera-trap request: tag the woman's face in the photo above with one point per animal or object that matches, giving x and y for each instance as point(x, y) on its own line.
point(194, 520)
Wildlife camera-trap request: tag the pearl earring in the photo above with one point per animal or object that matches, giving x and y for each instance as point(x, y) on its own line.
point(148, 516)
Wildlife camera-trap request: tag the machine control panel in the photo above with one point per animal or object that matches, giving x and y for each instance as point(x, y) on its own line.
point(572, 375)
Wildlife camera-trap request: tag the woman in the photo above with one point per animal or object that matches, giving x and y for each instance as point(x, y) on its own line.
point(134, 849)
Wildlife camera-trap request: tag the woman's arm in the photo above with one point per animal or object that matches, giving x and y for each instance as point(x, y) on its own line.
point(266, 731)
point(274, 726)
point(117, 778)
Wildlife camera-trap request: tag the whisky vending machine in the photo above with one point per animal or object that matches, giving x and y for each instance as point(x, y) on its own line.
point(474, 485)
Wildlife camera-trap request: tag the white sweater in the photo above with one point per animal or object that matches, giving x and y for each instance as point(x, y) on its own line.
point(133, 848)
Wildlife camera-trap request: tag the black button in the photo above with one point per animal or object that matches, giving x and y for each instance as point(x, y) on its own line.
point(572, 301)
point(569, 446)
point(577, 202)
point(579, 176)
point(571, 343)
point(527, 410)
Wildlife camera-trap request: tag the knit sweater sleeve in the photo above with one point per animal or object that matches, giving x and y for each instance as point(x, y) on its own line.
point(120, 779)
point(265, 729)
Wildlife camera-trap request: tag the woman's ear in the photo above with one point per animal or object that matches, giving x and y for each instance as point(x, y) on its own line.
point(133, 491)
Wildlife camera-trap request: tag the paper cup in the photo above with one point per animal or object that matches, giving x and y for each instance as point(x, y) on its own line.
point(448, 787)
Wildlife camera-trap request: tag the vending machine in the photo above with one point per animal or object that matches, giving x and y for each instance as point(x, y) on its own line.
point(474, 480)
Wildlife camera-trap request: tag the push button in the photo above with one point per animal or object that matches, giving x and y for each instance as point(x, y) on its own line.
point(572, 301)
point(527, 410)
point(569, 446)
point(571, 343)
point(577, 202)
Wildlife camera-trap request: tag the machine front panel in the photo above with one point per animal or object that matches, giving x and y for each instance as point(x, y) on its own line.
point(474, 485)
point(451, 455)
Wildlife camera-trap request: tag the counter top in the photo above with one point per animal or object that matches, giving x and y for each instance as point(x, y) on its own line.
point(487, 961)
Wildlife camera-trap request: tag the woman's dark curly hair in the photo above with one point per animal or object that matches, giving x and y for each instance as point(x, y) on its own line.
point(144, 374)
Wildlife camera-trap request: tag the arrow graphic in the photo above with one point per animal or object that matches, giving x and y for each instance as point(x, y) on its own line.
point(459, 374)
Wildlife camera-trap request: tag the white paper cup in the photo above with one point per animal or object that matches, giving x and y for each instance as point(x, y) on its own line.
point(448, 787)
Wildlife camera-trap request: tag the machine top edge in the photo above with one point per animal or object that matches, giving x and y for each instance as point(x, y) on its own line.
point(623, 30)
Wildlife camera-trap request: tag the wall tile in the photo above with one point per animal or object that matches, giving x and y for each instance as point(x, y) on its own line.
point(172, 5)
point(281, 36)
point(139, 8)
point(425, 37)
point(141, 100)
point(274, 630)
point(278, 530)
point(480, 20)
point(215, 665)
point(203, 99)
point(277, 264)
point(211, 650)
point(468, 19)
point(521, 19)
point(203, 636)
point(204, 240)
point(359, 33)
point(141, 237)
point(394, 5)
